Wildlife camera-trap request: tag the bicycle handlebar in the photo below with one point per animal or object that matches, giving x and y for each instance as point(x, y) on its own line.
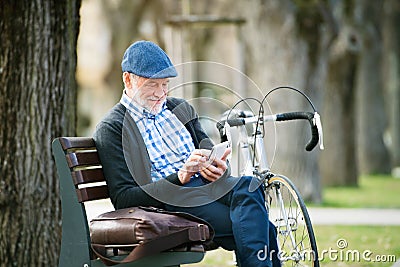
point(306, 116)
point(313, 119)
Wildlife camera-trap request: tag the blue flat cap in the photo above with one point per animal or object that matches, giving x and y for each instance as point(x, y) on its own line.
point(148, 60)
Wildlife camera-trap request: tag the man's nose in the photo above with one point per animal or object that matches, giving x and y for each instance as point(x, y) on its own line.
point(159, 91)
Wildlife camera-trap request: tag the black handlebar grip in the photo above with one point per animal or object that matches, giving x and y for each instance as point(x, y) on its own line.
point(314, 138)
point(236, 122)
point(305, 116)
point(294, 116)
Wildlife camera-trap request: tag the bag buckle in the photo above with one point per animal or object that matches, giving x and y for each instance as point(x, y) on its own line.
point(203, 232)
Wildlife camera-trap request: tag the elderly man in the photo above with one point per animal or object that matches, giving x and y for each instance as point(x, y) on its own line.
point(154, 152)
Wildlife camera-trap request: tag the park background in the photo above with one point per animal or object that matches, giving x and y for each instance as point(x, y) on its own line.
point(60, 73)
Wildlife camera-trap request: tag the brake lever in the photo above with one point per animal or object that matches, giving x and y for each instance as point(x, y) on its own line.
point(317, 122)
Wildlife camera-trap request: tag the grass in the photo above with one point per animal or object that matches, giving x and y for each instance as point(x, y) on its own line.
point(371, 241)
point(378, 191)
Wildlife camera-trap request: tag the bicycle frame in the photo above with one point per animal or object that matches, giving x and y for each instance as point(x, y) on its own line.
point(247, 147)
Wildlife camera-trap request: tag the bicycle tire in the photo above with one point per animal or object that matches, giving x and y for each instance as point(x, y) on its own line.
point(296, 239)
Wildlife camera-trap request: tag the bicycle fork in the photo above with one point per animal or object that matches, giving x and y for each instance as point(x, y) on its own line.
point(294, 255)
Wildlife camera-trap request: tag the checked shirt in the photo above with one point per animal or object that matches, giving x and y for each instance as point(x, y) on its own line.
point(168, 142)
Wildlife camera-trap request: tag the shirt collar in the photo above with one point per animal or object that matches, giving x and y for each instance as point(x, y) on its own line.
point(138, 112)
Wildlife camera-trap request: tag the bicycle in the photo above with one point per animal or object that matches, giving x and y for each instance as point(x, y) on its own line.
point(285, 205)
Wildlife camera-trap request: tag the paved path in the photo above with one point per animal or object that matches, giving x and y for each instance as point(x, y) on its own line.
point(97, 207)
point(341, 216)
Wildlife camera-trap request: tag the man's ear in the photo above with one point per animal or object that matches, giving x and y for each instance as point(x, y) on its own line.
point(127, 79)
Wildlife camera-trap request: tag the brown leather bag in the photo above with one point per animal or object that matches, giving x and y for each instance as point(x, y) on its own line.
point(145, 230)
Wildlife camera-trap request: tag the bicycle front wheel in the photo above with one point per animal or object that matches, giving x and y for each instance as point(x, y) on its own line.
point(287, 211)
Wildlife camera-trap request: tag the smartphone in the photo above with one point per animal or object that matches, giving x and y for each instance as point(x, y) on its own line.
point(218, 151)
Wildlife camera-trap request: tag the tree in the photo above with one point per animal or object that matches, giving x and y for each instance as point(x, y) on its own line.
point(391, 37)
point(37, 104)
point(354, 96)
point(373, 156)
point(339, 165)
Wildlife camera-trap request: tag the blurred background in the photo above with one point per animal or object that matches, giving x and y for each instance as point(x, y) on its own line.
point(343, 54)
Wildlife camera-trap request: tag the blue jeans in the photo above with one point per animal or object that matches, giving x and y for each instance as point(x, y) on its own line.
point(240, 222)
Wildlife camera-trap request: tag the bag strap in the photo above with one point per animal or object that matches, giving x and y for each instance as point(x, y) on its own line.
point(163, 243)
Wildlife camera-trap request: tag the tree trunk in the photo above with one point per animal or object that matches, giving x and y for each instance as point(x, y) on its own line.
point(391, 37)
point(339, 162)
point(373, 156)
point(37, 104)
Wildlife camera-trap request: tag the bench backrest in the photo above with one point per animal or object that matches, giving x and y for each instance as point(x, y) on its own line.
point(85, 167)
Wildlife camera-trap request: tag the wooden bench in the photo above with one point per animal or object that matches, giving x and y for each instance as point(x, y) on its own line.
point(81, 179)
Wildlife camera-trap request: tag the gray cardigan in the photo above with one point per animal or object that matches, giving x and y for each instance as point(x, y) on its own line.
point(125, 160)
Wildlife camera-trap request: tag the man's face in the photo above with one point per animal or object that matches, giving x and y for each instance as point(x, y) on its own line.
point(149, 93)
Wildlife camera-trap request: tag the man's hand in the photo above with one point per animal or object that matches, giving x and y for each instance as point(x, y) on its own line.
point(192, 165)
point(198, 162)
point(212, 171)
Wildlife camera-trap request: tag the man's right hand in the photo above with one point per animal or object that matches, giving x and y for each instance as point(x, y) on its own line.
point(193, 164)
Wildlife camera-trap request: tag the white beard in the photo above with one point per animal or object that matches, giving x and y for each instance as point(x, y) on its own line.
point(155, 109)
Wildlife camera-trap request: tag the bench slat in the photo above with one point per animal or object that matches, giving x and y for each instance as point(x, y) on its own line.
point(87, 176)
point(76, 142)
point(92, 193)
point(76, 159)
